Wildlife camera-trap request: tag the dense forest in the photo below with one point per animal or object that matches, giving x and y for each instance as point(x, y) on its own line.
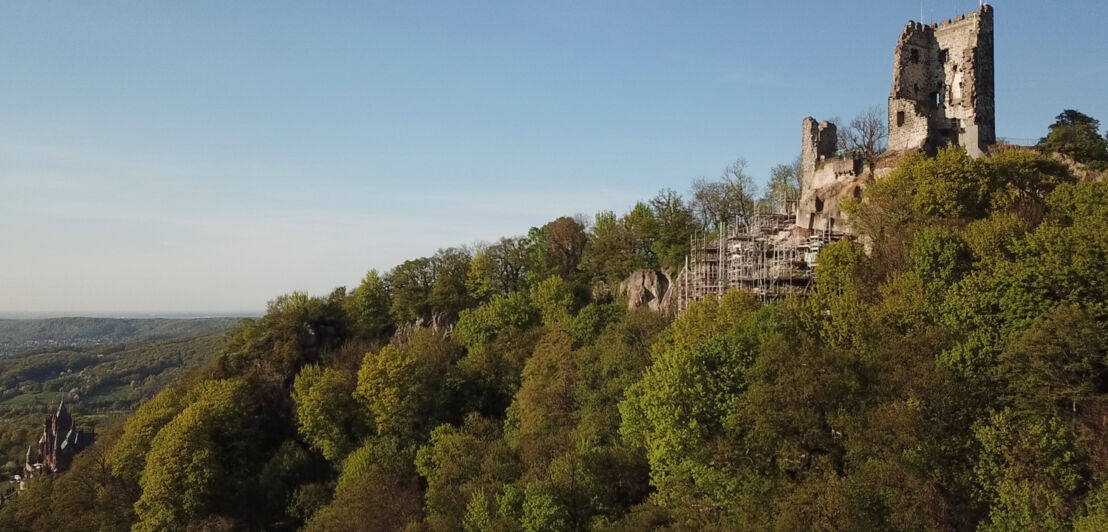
point(947, 371)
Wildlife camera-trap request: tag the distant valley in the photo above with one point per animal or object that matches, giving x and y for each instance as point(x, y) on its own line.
point(26, 335)
point(101, 367)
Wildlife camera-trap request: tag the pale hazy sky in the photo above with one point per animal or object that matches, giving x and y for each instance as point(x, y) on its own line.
point(208, 156)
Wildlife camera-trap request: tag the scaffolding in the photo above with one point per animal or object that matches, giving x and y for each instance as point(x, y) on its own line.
point(765, 254)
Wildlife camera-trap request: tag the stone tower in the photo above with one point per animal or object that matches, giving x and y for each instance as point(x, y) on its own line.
point(943, 85)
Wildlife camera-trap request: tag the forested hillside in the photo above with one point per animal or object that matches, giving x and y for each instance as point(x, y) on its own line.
point(949, 371)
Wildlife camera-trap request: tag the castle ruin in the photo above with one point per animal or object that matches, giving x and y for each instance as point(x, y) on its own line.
point(942, 95)
point(943, 85)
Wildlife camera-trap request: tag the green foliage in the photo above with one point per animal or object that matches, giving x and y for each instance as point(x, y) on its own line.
point(449, 294)
point(1094, 514)
point(88, 497)
point(368, 306)
point(407, 387)
point(294, 331)
point(1053, 264)
point(1077, 136)
point(327, 416)
point(995, 239)
point(674, 224)
point(939, 257)
point(610, 252)
point(128, 456)
point(411, 284)
point(1030, 174)
point(378, 490)
point(1061, 361)
point(545, 403)
point(499, 269)
point(643, 225)
point(606, 369)
point(951, 185)
point(541, 513)
point(1028, 470)
point(951, 373)
point(842, 288)
point(1076, 201)
point(189, 469)
point(498, 337)
point(587, 325)
point(477, 327)
point(460, 465)
point(677, 411)
point(557, 248)
point(554, 300)
point(951, 189)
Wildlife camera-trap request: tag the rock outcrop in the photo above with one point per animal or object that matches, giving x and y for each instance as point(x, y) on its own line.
point(650, 289)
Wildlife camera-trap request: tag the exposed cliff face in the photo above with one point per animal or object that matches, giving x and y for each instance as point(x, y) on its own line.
point(650, 289)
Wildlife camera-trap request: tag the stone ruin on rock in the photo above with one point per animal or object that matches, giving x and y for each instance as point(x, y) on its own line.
point(942, 94)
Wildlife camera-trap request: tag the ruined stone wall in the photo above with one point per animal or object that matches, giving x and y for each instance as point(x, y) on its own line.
point(942, 89)
point(826, 174)
point(942, 94)
point(818, 142)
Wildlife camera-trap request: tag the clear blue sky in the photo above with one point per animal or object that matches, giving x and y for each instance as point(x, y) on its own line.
point(208, 156)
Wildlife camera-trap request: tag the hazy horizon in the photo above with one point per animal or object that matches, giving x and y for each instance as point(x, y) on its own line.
point(216, 155)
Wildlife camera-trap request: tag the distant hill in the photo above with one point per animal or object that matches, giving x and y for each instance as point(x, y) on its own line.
point(25, 335)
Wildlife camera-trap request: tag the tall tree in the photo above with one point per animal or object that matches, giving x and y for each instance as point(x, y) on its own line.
point(674, 224)
point(784, 186)
point(727, 199)
point(411, 283)
point(1077, 135)
point(368, 306)
point(643, 226)
point(564, 242)
point(867, 134)
point(327, 416)
point(407, 387)
point(190, 471)
point(609, 254)
point(449, 294)
point(498, 269)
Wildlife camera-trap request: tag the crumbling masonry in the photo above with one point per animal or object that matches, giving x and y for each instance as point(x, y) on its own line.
point(943, 85)
point(942, 94)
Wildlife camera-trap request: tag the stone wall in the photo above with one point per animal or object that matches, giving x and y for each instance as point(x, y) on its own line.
point(826, 176)
point(943, 89)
